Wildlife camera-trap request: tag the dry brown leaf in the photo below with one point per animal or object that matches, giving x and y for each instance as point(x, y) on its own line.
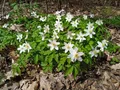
point(116, 66)
point(33, 86)
point(24, 84)
point(13, 55)
point(106, 75)
point(44, 83)
point(16, 27)
point(10, 74)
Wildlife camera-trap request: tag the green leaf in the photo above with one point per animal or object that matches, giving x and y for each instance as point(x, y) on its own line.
point(75, 71)
point(45, 52)
point(62, 61)
point(50, 59)
point(87, 60)
point(18, 70)
point(60, 67)
point(56, 57)
point(69, 71)
point(33, 44)
point(27, 56)
point(43, 64)
point(36, 59)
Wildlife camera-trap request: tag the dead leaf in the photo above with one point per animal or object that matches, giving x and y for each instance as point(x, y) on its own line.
point(109, 57)
point(16, 27)
point(33, 86)
point(24, 84)
point(13, 55)
point(10, 74)
point(44, 83)
point(116, 66)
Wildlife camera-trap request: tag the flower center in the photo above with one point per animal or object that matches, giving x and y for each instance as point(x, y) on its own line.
point(76, 55)
point(90, 31)
point(53, 44)
point(27, 46)
point(68, 47)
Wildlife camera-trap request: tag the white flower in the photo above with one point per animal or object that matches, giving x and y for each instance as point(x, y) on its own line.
point(43, 19)
point(53, 44)
point(90, 25)
point(68, 17)
point(19, 37)
point(94, 52)
point(42, 35)
point(46, 28)
point(39, 27)
point(80, 37)
point(26, 34)
point(74, 23)
point(34, 14)
point(58, 26)
point(91, 15)
point(5, 25)
point(67, 47)
point(99, 22)
point(59, 12)
point(102, 44)
point(58, 17)
point(85, 17)
point(70, 35)
point(7, 16)
point(27, 46)
point(75, 55)
point(21, 48)
point(89, 32)
point(57, 23)
point(55, 35)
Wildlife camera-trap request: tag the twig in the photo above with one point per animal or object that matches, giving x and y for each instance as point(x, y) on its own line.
point(46, 6)
point(3, 8)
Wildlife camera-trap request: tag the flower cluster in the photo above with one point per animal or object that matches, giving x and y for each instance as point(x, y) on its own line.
point(69, 48)
point(73, 36)
point(59, 41)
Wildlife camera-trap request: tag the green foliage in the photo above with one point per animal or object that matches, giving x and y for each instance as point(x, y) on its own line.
point(6, 38)
point(114, 21)
point(57, 44)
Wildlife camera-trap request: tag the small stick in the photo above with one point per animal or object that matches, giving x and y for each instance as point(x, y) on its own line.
point(3, 8)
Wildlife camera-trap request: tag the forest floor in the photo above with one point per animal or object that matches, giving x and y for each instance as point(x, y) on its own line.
point(103, 77)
